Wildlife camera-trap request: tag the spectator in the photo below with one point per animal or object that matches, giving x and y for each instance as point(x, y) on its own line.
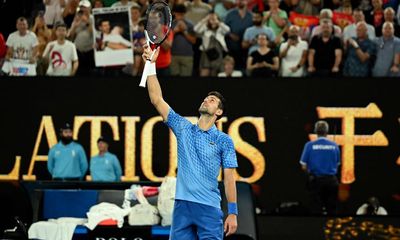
point(67, 159)
point(360, 53)
point(22, 47)
point(249, 38)
point(196, 10)
point(213, 44)
point(124, 3)
point(326, 14)
point(264, 62)
point(44, 36)
point(288, 5)
point(81, 33)
point(69, 12)
point(350, 30)
point(164, 57)
point(53, 12)
point(62, 54)
point(276, 19)
point(111, 39)
point(98, 4)
point(238, 20)
point(3, 49)
point(105, 166)
point(182, 47)
point(144, 4)
point(388, 54)
point(389, 16)
point(375, 16)
point(325, 52)
point(321, 159)
point(229, 68)
point(293, 54)
point(309, 7)
point(222, 8)
point(371, 208)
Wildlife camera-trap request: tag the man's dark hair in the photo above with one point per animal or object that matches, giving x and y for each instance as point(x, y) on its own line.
point(321, 128)
point(60, 24)
point(222, 102)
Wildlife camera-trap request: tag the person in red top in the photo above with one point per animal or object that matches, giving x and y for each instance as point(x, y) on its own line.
point(164, 58)
point(3, 48)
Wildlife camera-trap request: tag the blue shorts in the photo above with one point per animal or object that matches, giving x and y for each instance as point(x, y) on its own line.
point(192, 221)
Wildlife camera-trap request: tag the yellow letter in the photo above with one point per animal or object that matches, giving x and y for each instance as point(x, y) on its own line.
point(14, 174)
point(130, 148)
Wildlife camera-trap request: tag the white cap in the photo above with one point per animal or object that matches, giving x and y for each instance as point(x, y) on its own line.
point(85, 3)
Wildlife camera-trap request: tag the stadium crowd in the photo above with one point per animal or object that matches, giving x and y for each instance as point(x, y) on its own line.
point(224, 38)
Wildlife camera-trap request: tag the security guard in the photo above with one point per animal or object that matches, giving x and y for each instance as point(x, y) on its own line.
point(321, 159)
point(67, 159)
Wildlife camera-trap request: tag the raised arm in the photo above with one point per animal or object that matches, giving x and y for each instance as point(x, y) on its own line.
point(153, 86)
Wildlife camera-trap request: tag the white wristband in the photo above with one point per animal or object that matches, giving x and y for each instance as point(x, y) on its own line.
point(152, 69)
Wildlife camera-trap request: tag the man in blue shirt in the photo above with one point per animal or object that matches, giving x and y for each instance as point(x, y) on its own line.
point(105, 166)
point(321, 159)
point(202, 151)
point(67, 159)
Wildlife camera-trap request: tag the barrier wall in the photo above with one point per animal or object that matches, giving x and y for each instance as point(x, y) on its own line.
point(268, 119)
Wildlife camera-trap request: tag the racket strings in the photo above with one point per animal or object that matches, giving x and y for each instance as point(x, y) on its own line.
point(158, 22)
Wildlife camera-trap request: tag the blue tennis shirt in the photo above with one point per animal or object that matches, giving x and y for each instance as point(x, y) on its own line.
point(322, 157)
point(201, 154)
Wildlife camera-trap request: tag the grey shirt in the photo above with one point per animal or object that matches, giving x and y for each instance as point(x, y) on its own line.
point(386, 50)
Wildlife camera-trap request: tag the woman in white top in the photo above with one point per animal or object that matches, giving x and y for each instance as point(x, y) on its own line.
point(293, 54)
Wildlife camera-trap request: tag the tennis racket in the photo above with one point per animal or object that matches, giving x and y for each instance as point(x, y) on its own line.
point(158, 25)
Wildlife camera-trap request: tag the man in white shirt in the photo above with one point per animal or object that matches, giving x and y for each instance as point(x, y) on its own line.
point(350, 30)
point(112, 40)
point(62, 54)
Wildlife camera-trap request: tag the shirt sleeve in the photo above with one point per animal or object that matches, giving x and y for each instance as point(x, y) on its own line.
point(337, 155)
point(74, 53)
point(229, 159)
point(176, 122)
point(305, 156)
point(10, 40)
point(313, 42)
point(83, 163)
point(50, 161)
point(117, 169)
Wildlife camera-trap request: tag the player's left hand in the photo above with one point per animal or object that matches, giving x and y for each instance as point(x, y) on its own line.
point(230, 225)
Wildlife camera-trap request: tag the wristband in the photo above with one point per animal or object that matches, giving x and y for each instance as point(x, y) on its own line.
point(152, 69)
point(232, 208)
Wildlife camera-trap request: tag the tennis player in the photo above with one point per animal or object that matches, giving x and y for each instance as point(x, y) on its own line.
point(202, 151)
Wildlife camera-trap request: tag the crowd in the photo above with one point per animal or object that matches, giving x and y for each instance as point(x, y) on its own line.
point(224, 38)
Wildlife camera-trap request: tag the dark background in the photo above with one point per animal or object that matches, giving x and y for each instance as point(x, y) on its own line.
point(287, 105)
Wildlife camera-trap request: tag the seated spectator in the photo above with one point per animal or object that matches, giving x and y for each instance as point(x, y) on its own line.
point(182, 47)
point(326, 14)
point(53, 11)
point(229, 68)
point(105, 166)
point(213, 44)
point(263, 62)
point(325, 52)
point(249, 37)
point(44, 36)
point(293, 54)
point(67, 159)
point(389, 16)
point(371, 207)
point(350, 30)
point(61, 53)
point(388, 54)
point(360, 53)
point(375, 16)
point(276, 18)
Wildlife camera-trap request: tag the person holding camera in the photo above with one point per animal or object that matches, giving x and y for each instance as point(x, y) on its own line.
point(293, 54)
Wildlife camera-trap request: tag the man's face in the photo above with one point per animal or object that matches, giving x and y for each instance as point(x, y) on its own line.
point(135, 14)
point(105, 27)
point(293, 31)
point(326, 29)
point(257, 19)
point(358, 16)
point(61, 32)
point(22, 26)
point(210, 106)
point(273, 4)
point(389, 15)
point(361, 31)
point(66, 133)
point(388, 30)
point(377, 3)
point(102, 146)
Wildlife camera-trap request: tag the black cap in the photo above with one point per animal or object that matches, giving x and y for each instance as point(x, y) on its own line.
point(103, 139)
point(66, 126)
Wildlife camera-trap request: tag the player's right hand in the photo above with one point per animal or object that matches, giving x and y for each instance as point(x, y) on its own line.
point(147, 52)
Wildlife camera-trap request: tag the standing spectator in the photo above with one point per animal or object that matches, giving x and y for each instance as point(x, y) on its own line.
point(81, 33)
point(221, 8)
point(196, 10)
point(69, 12)
point(263, 62)
point(250, 35)
point(105, 166)
point(360, 53)
point(276, 19)
point(182, 47)
point(62, 54)
point(375, 16)
point(293, 54)
point(389, 16)
point(388, 54)
point(350, 30)
point(326, 14)
point(67, 159)
point(229, 68)
point(321, 159)
point(213, 44)
point(238, 20)
point(22, 47)
point(53, 12)
point(44, 36)
point(325, 53)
